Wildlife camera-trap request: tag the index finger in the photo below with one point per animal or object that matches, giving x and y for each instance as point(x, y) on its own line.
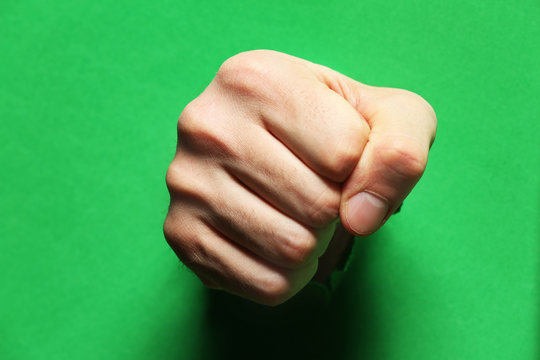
point(317, 124)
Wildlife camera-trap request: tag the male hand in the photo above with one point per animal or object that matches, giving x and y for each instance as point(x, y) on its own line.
point(271, 154)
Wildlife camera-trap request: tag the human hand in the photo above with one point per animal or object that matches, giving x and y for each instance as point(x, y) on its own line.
point(268, 157)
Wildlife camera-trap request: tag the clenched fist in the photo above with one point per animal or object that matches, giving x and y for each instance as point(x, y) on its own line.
point(271, 154)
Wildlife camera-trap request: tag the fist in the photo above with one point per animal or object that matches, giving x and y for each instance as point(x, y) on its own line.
point(271, 154)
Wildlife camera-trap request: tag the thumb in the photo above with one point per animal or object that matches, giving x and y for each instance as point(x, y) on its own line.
point(402, 130)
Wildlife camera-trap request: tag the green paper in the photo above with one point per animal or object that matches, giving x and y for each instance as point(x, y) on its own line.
point(90, 92)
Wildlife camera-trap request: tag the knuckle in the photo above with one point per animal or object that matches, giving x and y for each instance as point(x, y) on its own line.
point(405, 158)
point(186, 244)
point(186, 188)
point(189, 120)
point(199, 128)
point(169, 230)
point(178, 241)
point(298, 249)
point(274, 289)
point(173, 177)
point(193, 252)
point(345, 156)
point(324, 208)
point(244, 72)
point(177, 179)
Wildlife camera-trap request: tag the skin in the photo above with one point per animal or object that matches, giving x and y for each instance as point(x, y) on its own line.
point(271, 155)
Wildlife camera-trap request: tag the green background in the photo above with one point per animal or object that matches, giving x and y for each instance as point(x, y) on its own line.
point(90, 92)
